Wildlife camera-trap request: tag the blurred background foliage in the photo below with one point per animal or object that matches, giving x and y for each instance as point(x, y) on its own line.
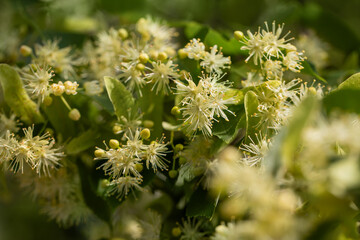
point(72, 21)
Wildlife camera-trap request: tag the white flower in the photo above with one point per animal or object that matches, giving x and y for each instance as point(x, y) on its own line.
point(215, 61)
point(190, 230)
point(37, 81)
point(8, 124)
point(132, 76)
point(273, 69)
point(255, 45)
point(122, 186)
point(155, 155)
point(293, 60)
point(255, 151)
point(195, 49)
point(161, 74)
point(70, 87)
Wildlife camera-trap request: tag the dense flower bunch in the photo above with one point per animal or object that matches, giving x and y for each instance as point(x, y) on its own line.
point(252, 157)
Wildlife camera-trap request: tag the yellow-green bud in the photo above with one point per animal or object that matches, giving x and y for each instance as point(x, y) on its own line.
point(145, 133)
point(50, 131)
point(140, 66)
point(116, 129)
point(153, 54)
point(162, 56)
point(170, 51)
point(74, 114)
point(123, 33)
point(179, 147)
point(312, 91)
point(239, 35)
point(148, 123)
point(173, 173)
point(182, 53)
point(25, 50)
point(99, 153)
point(104, 183)
point(114, 144)
point(182, 160)
point(175, 110)
point(139, 167)
point(176, 231)
point(143, 57)
point(48, 101)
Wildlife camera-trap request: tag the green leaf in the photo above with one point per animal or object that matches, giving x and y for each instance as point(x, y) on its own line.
point(57, 114)
point(251, 103)
point(120, 97)
point(16, 97)
point(343, 99)
point(310, 70)
point(229, 47)
point(84, 141)
point(195, 30)
point(201, 204)
point(353, 82)
point(227, 130)
point(287, 141)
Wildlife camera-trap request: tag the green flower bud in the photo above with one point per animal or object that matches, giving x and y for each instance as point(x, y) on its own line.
point(312, 91)
point(48, 101)
point(140, 66)
point(114, 144)
point(139, 167)
point(176, 231)
point(145, 133)
point(162, 56)
point(116, 129)
point(175, 110)
point(148, 123)
point(74, 114)
point(123, 33)
point(25, 50)
point(144, 58)
point(179, 147)
point(182, 160)
point(239, 35)
point(99, 153)
point(182, 53)
point(173, 173)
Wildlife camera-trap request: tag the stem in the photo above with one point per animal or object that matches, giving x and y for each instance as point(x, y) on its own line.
point(65, 102)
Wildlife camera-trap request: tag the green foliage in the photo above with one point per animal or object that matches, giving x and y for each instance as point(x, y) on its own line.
point(16, 97)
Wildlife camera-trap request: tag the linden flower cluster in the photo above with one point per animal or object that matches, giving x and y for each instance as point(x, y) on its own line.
point(271, 51)
point(203, 102)
point(124, 162)
point(137, 61)
point(37, 152)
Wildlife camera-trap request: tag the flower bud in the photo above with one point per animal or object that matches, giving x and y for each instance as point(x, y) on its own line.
point(70, 87)
point(139, 167)
point(173, 173)
point(182, 53)
point(312, 91)
point(176, 231)
point(153, 54)
point(239, 35)
point(148, 123)
point(99, 153)
point(48, 101)
point(25, 50)
point(74, 114)
point(170, 51)
point(140, 66)
point(123, 33)
point(114, 144)
point(162, 56)
point(182, 160)
point(179, 147)
point(104, 183)
point(175, 110)
point(144, 58)
point(145, 133)
point(58, 88)
point(117, 129)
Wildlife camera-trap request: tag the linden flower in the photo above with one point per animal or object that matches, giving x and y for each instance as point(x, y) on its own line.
point(134, 144)
point(38, 152)
point(122, 186)
point(255, 45)
point(37, 81)
point(58, 58)
point(161, 74)
point(195, 49)
point(293, 60)
point(215, 61)
point(255, 152)
point(273, 69)
point(132, 76)
point(8, 124)
point(155, 155)
point(8, 144)
point(93, 88)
